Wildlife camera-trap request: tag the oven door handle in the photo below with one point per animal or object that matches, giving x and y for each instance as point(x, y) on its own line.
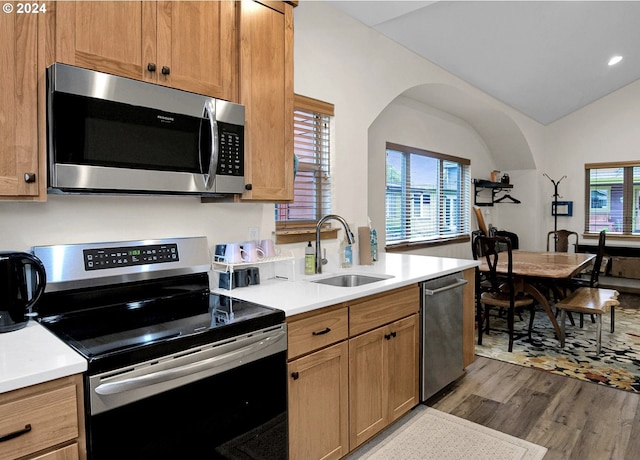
point(142, 381)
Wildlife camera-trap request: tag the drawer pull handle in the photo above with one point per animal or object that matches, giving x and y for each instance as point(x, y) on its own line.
point(295, 375)
point(322, 332)
point(15, 434)
point(388, 336)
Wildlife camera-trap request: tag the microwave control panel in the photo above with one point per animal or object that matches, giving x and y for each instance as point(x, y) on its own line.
point(103, 258)
point(230, 156)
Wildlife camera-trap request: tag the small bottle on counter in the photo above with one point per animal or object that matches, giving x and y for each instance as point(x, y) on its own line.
point(374, 244)
point(346, 254)
point(309, 260)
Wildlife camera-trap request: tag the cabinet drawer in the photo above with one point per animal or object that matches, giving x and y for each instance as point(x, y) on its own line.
point(315, 332)
point(384, 308)
point(65, 453)
point(52, 416)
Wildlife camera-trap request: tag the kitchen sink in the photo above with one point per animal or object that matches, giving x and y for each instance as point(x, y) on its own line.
point(351, 280)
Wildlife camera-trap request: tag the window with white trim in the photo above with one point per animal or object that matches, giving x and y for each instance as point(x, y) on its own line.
point(312, 183)
point(427, 196)
point(612, 198)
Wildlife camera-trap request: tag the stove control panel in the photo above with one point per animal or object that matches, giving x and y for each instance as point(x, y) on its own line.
point(103, 258)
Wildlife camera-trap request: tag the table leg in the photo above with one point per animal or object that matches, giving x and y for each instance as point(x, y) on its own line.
point(542, 300)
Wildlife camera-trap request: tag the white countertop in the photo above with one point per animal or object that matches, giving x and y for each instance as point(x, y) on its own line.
point(301, 295)
point(33, 355)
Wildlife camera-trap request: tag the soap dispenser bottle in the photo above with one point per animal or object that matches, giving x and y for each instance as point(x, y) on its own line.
point(346, 254)
point(309, 260)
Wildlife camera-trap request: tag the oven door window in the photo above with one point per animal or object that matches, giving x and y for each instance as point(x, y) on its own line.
point(239, 414)
point(96, 132)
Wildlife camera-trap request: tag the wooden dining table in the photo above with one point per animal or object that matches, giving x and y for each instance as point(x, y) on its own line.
point(533, 268)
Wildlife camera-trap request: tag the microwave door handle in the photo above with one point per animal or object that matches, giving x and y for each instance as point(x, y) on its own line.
point(209, 108)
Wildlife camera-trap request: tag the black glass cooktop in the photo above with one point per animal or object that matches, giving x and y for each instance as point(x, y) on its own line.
point(114, 327)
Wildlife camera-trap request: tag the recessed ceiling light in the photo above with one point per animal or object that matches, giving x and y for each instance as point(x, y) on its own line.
point(614, 60)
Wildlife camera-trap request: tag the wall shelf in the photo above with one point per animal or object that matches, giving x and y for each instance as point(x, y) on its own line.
point(479, 185)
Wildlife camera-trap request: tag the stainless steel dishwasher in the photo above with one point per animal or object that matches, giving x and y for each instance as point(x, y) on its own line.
point(441, 351)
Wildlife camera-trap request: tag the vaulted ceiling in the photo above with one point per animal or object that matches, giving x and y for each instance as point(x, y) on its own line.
point(546, 59)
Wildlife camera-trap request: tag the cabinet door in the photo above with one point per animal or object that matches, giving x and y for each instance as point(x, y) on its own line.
point(196, 47)
point(113, 37)
point(368, 385)
point(403, 362)
point(266, 90)
point(318, 410)
point(383, 377)
point(19, 105)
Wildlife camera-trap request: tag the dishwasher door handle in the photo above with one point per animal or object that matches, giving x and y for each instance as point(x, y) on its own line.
point(458, 283)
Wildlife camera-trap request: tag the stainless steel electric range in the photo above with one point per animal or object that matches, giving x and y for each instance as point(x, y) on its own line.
point(174, 371)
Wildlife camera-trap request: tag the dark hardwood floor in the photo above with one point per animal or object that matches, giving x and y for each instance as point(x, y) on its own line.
point(573, 419)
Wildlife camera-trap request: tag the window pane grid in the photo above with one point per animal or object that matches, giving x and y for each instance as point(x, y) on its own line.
point(613, 198)
point(427, 196)
point(606, 200)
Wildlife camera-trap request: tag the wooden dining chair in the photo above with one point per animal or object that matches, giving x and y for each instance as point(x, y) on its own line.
point(498, 291)
point(594, 278)
point(561, 240)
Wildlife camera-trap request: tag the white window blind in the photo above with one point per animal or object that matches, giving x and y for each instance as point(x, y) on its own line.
point(612, 197)
point(312, 147)
point(427, 195)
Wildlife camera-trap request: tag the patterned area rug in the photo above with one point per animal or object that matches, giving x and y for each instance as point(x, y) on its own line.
point(429, 434)
point(617, 366)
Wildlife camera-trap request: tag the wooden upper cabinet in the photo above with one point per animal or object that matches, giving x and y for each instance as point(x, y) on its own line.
point(19, 108)
point(266, 90)
point(106, 36)
point(185, 45)
point(197, 41)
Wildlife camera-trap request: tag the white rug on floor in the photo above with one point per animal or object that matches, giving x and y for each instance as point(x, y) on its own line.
point(427, 433)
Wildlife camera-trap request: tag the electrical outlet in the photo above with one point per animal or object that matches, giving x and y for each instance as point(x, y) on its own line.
point(254, 233)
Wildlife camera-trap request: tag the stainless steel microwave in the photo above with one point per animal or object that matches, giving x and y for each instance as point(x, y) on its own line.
point(109, 134)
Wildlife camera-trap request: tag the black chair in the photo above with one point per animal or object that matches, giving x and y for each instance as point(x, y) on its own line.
point(498, 290)
point(515, 244)
point(474, 235)
point(594, 278)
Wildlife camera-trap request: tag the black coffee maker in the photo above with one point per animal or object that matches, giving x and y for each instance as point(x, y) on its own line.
point(15, 300)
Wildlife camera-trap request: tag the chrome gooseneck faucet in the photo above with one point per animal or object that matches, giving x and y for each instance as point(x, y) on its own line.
point(320, 261)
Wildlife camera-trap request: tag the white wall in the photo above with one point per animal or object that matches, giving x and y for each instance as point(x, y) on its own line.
point(339, 60)
point(407, 122)
point(75, 219)
point(604, 131)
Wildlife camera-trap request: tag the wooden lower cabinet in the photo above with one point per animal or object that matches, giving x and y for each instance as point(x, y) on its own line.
point(383, 377)
point(47, 421)
point(65, 453)
point(318, 404)
point(353, 370)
